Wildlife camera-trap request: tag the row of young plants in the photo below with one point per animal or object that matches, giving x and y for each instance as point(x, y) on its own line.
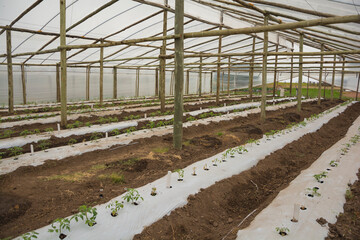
point(320, 178)
point(45, 144)
point(102, 120)
point(88, 214)
point(83, 108)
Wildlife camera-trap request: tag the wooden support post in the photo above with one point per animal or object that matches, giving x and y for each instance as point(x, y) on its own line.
point(222, 81)
point(357, 88)
point(10, 72)
point(179, 72)
point(23, 83)
point(228, 78)
point(58, 92)
point(88, 83)
point(157, 82)
point(324, 95)
point(211, 82)
point(251, 73)
point(115, 83)
point(163, 62)
point(187, 81)
point(301, 48)
point(333, 80)
point(219, 59)
point(200, 77)
point(264, 72)
point(63, 63)
point(172, 82)
point(276, 60)
point(101, 75)
point(307, 87)
point(137, 82)
point(291, 70)
point(320, 75)
point(342, 79)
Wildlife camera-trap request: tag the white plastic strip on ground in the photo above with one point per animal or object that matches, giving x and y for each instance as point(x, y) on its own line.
point(21, 141)
point(73, 115)
point(9, 164)
point(132, 219)
point(328, 205)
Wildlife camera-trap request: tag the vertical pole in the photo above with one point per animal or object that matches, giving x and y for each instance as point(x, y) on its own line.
point(137, 82)
point(23, 81)
point(211, 82)
point(342, 78)
point(324, 85)
point(157, 82)
point(320, 75)
point(357, 88)
point(115, 84)
point(88, 83)
point(58, 97)
point(228, 78)
point(200, 76)
point(163, 62)
point(179, 73)
point(251, 74)
point(307, 87)
point(222, 81)
point(172, 83)
point(333, 80)
point(187, 81)
point(292, 68)
point(10, 72)
point(219, 60)
point(264, 72)
point(301, 49)
point(63, 62)
point(276, 60)
point(101, 74)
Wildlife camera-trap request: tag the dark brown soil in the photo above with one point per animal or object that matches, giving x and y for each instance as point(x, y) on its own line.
point(217, 210)
point(347, 226)
point(123, 115)
point(57, 188)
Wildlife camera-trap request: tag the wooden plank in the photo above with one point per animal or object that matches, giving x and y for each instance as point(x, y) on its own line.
point(228, 77)
point(179, 73)
point(157, 82)
point(10, 72)
point(63, 63)
point(342, 79)
point(320, 75)
point(101, 88)
point(115, 83)
point(200, 77)
point(251, 72)
point(58, 91)
point(333, 80)
point(301, 48)
point(162, 66)
point(88, 83)
point(264, 73)
point(276, 61)
point(23, 83)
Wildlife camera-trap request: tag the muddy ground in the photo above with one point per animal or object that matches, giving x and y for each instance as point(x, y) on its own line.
point(32, 197)
point(216, 211)
point(347, 226)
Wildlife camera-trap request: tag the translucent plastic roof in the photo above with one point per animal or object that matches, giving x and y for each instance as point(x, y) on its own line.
point(131, 19)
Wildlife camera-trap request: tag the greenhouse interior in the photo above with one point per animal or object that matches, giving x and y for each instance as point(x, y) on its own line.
point(179, 119)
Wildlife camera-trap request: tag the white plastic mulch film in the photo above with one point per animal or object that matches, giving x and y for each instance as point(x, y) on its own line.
point(112, 23)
